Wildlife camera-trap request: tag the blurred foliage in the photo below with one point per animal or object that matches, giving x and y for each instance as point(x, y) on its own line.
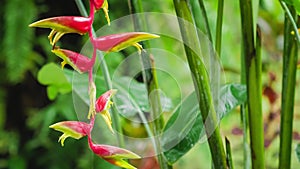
point(17, 35)
point(189, 128)
point(53, 76)
point(26, 111)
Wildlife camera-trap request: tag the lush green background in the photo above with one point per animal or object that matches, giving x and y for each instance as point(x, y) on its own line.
point(26, 112)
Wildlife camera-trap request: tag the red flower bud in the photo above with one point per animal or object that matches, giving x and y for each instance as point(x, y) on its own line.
point(103, 105)
point(98, 4)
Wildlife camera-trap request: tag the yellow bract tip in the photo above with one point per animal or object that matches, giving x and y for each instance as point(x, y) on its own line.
point(106, 116)
point(63, 63)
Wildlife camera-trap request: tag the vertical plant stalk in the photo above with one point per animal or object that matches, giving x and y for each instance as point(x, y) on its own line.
point(290, 55)
point(150, 80)
point(199, 13)
point(246, 148)
point(219, 27)
point(107, 78)
point(245, 119)
point(228, 154)
point(201, 83)
point(252, 61)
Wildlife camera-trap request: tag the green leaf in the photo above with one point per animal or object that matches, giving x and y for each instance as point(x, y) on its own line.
point(231, 95)
point(298, 152)
point(52, 92)
point(53, 77)
point(296, 4)
point(184, 129)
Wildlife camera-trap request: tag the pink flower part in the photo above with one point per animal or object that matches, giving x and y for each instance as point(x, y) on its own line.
point(103, 102)
point(74, 129)
point(67, 24)
point(117, 42)
point(79, 62)
point(64, 24)
point(112, 154)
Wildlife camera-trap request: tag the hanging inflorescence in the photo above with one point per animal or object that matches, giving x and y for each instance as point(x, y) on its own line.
point(110, 43)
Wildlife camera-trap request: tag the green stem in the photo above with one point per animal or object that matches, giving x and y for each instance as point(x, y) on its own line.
point(228, 154)
point(199, 13)
point(252, 61)
point(150, 79)
point(104, 68)
point(219, 27)
point(201, 83)
point(246, 149)
point(290, 55)
point(245, 120)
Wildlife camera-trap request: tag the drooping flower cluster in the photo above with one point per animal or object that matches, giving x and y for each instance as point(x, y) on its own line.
point(110, 43)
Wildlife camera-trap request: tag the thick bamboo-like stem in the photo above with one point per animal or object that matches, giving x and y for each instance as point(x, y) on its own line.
point(201, 83)
point(252, 61)
point(150, 79)
point(290, 56)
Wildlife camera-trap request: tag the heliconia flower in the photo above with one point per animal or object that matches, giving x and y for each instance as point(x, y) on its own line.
point(104, 5)
point(103, 104)
point(77, 61)
point(64, 24)
point(112, 154)
point(117, 42)
point(74, 129)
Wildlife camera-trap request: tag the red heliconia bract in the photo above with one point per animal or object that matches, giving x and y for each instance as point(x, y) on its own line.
point(74, 129)
point(64, 24)
point(72, 24)
point(112, 154)
point(79, 62)
point(117, 42)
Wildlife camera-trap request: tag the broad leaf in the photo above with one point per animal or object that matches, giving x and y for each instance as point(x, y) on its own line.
point(231, 95)
point(52, 76)
point(131, 97)
point(184, 129)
